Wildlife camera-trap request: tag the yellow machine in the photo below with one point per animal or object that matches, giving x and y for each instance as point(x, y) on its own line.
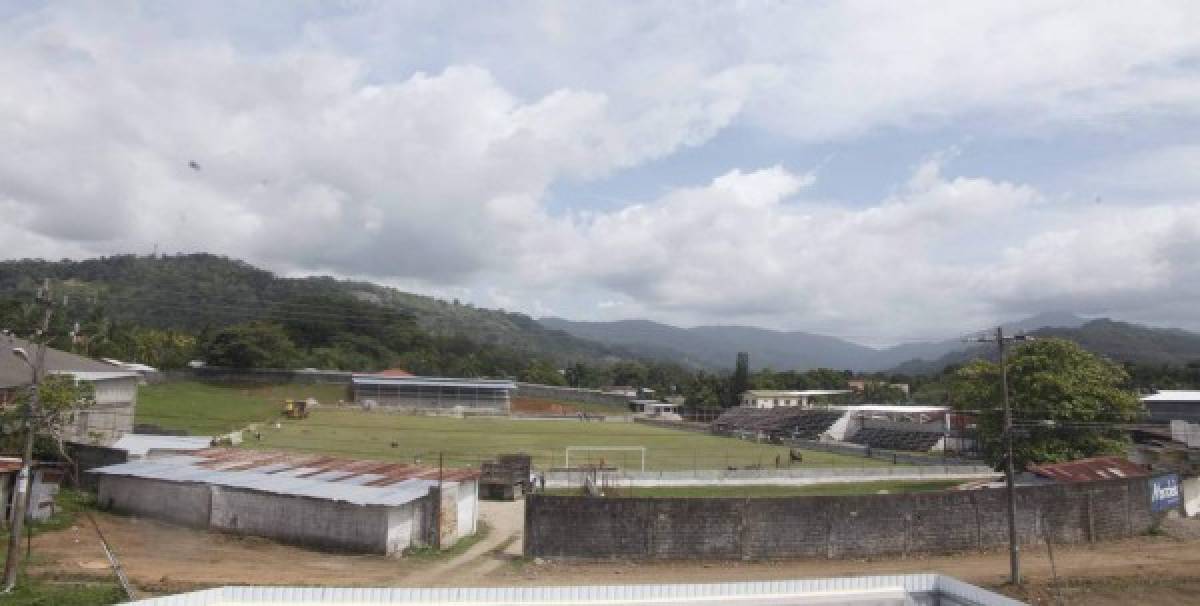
point(295, 409)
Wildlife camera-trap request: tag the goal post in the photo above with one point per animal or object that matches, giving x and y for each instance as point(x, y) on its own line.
point(570, 449)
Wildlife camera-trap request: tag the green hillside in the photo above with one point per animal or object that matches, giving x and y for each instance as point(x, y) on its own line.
point(151, 308)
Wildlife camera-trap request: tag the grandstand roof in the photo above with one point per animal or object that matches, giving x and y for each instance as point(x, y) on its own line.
point(891, 408)
point(783, 393)
point(1173, 395)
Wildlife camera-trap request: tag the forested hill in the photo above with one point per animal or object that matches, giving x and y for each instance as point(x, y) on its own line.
point(349, 322)
point(1119, 341)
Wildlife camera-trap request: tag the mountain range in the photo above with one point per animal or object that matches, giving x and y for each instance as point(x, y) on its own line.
point(201, 292)
point(717, 346)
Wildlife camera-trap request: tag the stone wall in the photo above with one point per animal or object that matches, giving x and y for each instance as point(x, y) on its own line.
point(830, 527)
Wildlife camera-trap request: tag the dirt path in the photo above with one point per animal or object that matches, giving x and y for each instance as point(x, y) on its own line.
point(506, 521)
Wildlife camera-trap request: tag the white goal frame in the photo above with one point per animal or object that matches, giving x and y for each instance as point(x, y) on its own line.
point(567, 454)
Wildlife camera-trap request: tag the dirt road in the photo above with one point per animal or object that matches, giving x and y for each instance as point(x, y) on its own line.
point(160, 557)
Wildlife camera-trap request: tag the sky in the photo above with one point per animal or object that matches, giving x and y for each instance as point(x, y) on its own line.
point(880, 171)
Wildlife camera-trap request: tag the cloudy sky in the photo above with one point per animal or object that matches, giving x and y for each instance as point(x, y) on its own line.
point(882, 171)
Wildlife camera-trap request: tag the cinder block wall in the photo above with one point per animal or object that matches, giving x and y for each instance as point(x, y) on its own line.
point(182, 503)
point(319, 523)
point(833, 527)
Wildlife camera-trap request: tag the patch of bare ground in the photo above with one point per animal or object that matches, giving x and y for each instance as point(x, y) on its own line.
point(1162, 569)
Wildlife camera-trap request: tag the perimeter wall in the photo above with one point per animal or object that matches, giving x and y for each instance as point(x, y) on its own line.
point(830, 527)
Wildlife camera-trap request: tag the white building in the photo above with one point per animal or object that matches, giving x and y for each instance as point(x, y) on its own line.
point(103, 422)
point(774, 398)
point(1171, 404)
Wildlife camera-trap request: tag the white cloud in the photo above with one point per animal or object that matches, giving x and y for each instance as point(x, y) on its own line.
point(407, 144)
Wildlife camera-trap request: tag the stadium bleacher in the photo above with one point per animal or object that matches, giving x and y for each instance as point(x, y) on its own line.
point(895, 439)
point(782, 422)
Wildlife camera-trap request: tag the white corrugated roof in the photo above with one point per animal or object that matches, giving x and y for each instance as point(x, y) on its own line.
point(781, 393)
point(364, 379)
point(1173, 395)
point(279, 479)
point(886, 589)
point(138, 444)
point(99, 375)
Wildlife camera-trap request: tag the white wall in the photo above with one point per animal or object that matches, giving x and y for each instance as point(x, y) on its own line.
point(1191, 496)
point(468, 507)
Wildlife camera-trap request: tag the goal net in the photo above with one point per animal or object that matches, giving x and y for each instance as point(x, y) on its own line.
point(609, 455)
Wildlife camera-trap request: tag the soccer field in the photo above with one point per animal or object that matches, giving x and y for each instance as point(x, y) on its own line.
point(466, 442)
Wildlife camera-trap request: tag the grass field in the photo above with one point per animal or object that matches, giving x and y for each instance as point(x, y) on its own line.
point(465, 442)
point(835, 489)
point(204, 409)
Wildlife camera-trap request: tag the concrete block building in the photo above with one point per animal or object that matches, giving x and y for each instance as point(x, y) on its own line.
point(313, 501)
point(116, 390)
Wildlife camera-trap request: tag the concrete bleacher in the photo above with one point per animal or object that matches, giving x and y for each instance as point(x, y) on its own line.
point(895, 439)
point(783, 422)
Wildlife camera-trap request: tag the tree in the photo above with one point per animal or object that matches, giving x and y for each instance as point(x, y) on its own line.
point(1065, 402)
point(253, 345)
point(542, 372)
point(740, 381)
point(59, 396)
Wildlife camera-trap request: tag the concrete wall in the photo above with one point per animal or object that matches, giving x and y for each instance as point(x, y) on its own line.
point(569, 394)
point(830, 527)
point(1191, 495)
point(319, 523)
point(468, 508)
point(183, 503)
point(561, 478)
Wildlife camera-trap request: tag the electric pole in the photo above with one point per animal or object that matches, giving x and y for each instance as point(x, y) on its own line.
point(1014, 548)
point(21, 492)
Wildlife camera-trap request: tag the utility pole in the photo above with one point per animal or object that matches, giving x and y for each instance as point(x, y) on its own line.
point(1014, 548)
point(21, 492)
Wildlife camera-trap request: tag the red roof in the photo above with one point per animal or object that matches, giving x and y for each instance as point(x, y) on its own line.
point(1090, 470)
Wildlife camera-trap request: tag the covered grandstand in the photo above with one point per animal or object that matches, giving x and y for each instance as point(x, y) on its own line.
point(883, 426)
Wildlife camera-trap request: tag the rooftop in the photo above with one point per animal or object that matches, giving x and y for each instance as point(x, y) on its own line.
point(892, 589)
point(1090, 470)
point(380, 379)
point(1173, 395)
point(360, 482)
point(139, 445)
point(785, 393)
point(14, 372)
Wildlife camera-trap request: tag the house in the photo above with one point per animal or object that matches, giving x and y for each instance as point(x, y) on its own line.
point(773, 398)
point(1168, 404)
point(106, 420)
point(1090, 470)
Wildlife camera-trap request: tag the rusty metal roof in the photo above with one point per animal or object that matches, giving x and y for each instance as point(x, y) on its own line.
point(361, 482)
point(1090, 470)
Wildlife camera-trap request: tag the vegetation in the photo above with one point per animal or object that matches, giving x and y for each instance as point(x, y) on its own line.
point(1064, 400)
point(31, 592)
point(758, 491)
point(467, 442)
point(58, 397)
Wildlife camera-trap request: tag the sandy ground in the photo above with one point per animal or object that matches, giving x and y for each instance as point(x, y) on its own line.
point(158, 557)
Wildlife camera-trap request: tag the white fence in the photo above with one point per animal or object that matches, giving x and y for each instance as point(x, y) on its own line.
point(569, 478)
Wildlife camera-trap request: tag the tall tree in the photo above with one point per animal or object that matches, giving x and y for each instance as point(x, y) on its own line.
point(1065, 403)
point(740, 381)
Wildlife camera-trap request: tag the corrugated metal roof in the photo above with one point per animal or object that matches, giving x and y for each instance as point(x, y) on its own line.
point(138, 445)
point(365, 379)
point(359, 482)
point(1090, 470)
point(829, 591)
point(1173, 395)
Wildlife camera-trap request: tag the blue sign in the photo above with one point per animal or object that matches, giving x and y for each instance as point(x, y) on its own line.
point(1164, 493)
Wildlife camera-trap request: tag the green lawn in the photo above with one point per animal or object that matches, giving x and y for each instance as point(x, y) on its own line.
point(46, 593)
point(465, 442)
point(834, 489)
point(204, 409)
